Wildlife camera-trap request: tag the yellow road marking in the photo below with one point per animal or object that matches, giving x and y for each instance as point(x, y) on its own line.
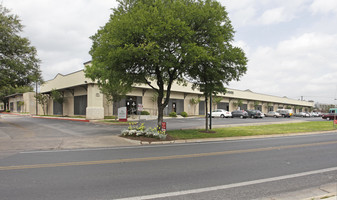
point(128, 160)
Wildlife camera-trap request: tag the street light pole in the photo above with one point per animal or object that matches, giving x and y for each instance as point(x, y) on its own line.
point(334, 117)
point(36, 111)
point(210, 111)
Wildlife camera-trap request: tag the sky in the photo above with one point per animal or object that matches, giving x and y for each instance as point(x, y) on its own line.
point(291, 45)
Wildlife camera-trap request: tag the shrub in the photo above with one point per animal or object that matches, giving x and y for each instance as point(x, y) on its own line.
point(144, 112)
point(173, 114)
point(184, 114)
point(110, 117)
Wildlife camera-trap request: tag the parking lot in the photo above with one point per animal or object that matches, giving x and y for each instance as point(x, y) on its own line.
point(23, 133)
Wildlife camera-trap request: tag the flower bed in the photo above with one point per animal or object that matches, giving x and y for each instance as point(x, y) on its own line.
point(135, 130)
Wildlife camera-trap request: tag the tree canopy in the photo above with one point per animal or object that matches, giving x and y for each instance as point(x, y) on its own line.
point(156, 42)
point(19, 65)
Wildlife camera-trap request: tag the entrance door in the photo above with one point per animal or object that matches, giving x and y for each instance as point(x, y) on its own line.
point(57, 108)
point(174, 107)
point(80, 105)
point(131, 105)
point(201, 108)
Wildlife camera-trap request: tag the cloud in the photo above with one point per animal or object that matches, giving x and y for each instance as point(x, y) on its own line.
point(324, 6)
point(275, 15)
point(241, 44)
point(262, 12)
point(290, 44)
point(60, 30)
point(299, 66)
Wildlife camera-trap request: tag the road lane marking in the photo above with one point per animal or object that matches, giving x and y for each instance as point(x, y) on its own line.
point(223, 187)
point(129, 160)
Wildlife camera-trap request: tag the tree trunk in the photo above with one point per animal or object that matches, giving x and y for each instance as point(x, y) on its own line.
point(206, 102)
point(44, 110)
point(160, 116)
point(160, 109)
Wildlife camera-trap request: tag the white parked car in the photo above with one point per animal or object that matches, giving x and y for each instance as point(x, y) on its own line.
point(262, 115)
point(314, 114)
point(220, 113)
point(302, 114)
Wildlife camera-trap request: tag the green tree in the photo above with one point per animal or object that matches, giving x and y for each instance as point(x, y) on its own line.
point(154, 100)
point(215, 101)
point(215, 61)
point(156, 42)
point(57, 96)
point(19, 65)
point(20, 105)
point(256, 104)
point(269, 106)
point(43, 100)
point(194, 102)
point(238, 103)
point(110, 83)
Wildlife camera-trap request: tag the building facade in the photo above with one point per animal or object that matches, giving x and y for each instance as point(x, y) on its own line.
point(21, 103)
point(83, 97)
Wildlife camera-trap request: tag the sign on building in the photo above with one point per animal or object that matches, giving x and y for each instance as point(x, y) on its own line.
point(140, 107)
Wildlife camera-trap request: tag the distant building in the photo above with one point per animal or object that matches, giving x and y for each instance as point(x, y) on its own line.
point(21, 103)
point(2, 106)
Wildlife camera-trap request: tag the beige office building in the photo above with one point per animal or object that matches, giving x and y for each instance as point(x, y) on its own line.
point(21, 103)
point(83, 97)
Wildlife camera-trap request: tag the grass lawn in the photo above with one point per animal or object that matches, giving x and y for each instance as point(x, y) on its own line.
point(254, 130)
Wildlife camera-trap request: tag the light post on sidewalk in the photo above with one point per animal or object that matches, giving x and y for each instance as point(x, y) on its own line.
point(334, 117)
point(210, 111)
point(36, 98)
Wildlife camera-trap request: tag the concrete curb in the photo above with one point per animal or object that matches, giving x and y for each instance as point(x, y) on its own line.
point(62, 118)
point(47, 117)
point(326, 192)
point(228, 138)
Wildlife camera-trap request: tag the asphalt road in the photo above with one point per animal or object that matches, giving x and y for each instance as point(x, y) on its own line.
point(245, 169)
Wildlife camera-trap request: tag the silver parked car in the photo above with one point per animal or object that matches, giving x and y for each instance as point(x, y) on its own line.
point(302, 114)
point(273, 114)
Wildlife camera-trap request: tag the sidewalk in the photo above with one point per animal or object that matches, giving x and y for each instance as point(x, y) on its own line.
point(324, 192)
